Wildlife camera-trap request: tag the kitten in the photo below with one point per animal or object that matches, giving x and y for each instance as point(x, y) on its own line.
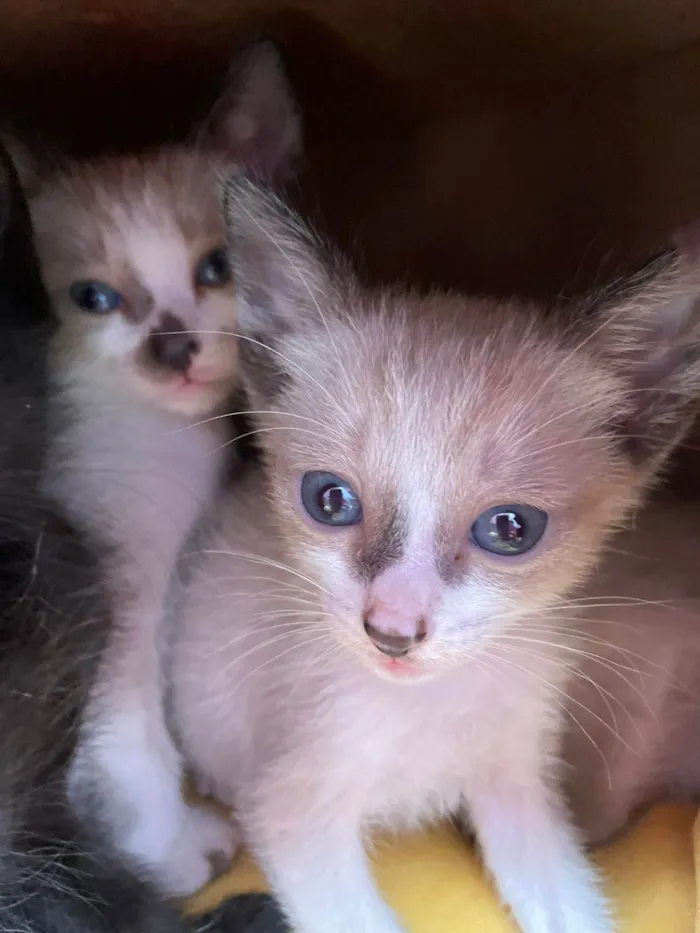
point(143, 366)
point(54, 878)
point(441, 475)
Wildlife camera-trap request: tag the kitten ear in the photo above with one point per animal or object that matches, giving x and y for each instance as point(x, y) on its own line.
point(257, 121)
point(23, 299)
point(648, 330)
point(282, 271)
point(25, 163)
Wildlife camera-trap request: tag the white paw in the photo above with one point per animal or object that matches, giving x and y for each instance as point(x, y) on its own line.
point(201, 849)
point(593, 918)
point(585, 915)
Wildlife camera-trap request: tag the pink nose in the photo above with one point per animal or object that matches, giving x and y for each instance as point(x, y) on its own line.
point(393, 643)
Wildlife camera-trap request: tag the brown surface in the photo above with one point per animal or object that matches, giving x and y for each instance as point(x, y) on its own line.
point(439, 50)
point(493, 144)
point(500, 145)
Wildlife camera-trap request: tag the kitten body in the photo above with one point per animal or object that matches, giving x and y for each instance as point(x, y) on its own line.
point(143, 369)
point(362, 652)
point(54, 623)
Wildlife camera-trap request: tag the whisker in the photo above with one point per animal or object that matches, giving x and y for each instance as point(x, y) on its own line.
point(562, 692)
point(289, 627)
point(298, 272)
point(566, 710)
point(267, 561)
point(577, 672)
point(268, 430)
point(303, 644)
point(269, 349)
point(232, 414)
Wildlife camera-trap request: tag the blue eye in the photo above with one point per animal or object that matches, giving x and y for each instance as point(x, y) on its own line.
point(509, 530)
point(214, 269)
point(330, 500)
point(95, 297)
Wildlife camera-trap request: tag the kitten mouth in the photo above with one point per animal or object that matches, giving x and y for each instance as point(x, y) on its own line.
point(192, 384)
point(400, 668)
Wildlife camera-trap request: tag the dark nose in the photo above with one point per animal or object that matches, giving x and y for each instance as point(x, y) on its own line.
point(394, 644)
point(171, 346)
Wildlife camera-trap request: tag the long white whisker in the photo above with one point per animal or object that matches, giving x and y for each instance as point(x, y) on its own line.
point(290, 259)
point(259, 559)
point(268, 430)
point(260, 343)
point(231, 414)
point(577, 672)
point(562, 692)
point(553, 690)
point(302, 644)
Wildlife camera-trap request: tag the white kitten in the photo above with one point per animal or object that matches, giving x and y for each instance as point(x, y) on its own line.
point(440, 474)
point(143, 364)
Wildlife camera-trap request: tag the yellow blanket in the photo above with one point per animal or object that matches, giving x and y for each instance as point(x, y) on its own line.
point(436, 884)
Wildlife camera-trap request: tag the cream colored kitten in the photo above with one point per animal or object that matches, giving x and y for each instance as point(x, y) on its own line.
point(442, 475)
point(143, 365)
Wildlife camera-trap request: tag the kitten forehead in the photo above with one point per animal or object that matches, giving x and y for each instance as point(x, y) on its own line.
point(421, 365)
point(98, 207)
point(448, 409)
point(161, 261)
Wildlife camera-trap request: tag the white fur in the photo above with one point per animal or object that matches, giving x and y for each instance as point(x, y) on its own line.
point(137, 448)
point(142, 477)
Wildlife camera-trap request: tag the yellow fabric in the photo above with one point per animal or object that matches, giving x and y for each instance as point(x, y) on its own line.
point(435, 883)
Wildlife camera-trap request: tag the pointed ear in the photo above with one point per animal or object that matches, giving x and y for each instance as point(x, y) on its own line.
point(283, 275)
point(257, 121)
point(23, 299)
point(25, 163)
point(648, 330)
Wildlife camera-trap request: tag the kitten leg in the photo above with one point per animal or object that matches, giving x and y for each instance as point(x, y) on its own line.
point(128, 773)
point(536, 860)
point(319, 871)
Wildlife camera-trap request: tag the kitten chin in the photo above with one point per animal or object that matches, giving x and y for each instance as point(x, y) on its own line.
point(143, 365)
point(388, 619)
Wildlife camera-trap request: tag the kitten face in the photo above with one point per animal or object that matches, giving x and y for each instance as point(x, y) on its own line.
point(442, 469)
point(132, 252)
point(475, 469)
point(132, 249)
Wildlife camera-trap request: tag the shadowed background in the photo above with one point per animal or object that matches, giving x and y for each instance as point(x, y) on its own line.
point(493, 145)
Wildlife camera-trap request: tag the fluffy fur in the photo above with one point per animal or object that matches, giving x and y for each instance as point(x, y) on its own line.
point(139, 435)
point(433, 408)
point(54, 877)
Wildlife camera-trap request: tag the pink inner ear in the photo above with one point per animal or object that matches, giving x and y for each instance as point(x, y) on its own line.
point(266, 143)
point(258, 120)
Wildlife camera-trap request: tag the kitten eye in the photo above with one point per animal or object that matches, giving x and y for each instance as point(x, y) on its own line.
point(509, 529)
point(95, 297)
point(213, 269)
point(330, 500)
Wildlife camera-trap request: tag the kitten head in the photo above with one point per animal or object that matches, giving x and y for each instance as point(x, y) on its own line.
point(446, 468)
point(132, 250)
